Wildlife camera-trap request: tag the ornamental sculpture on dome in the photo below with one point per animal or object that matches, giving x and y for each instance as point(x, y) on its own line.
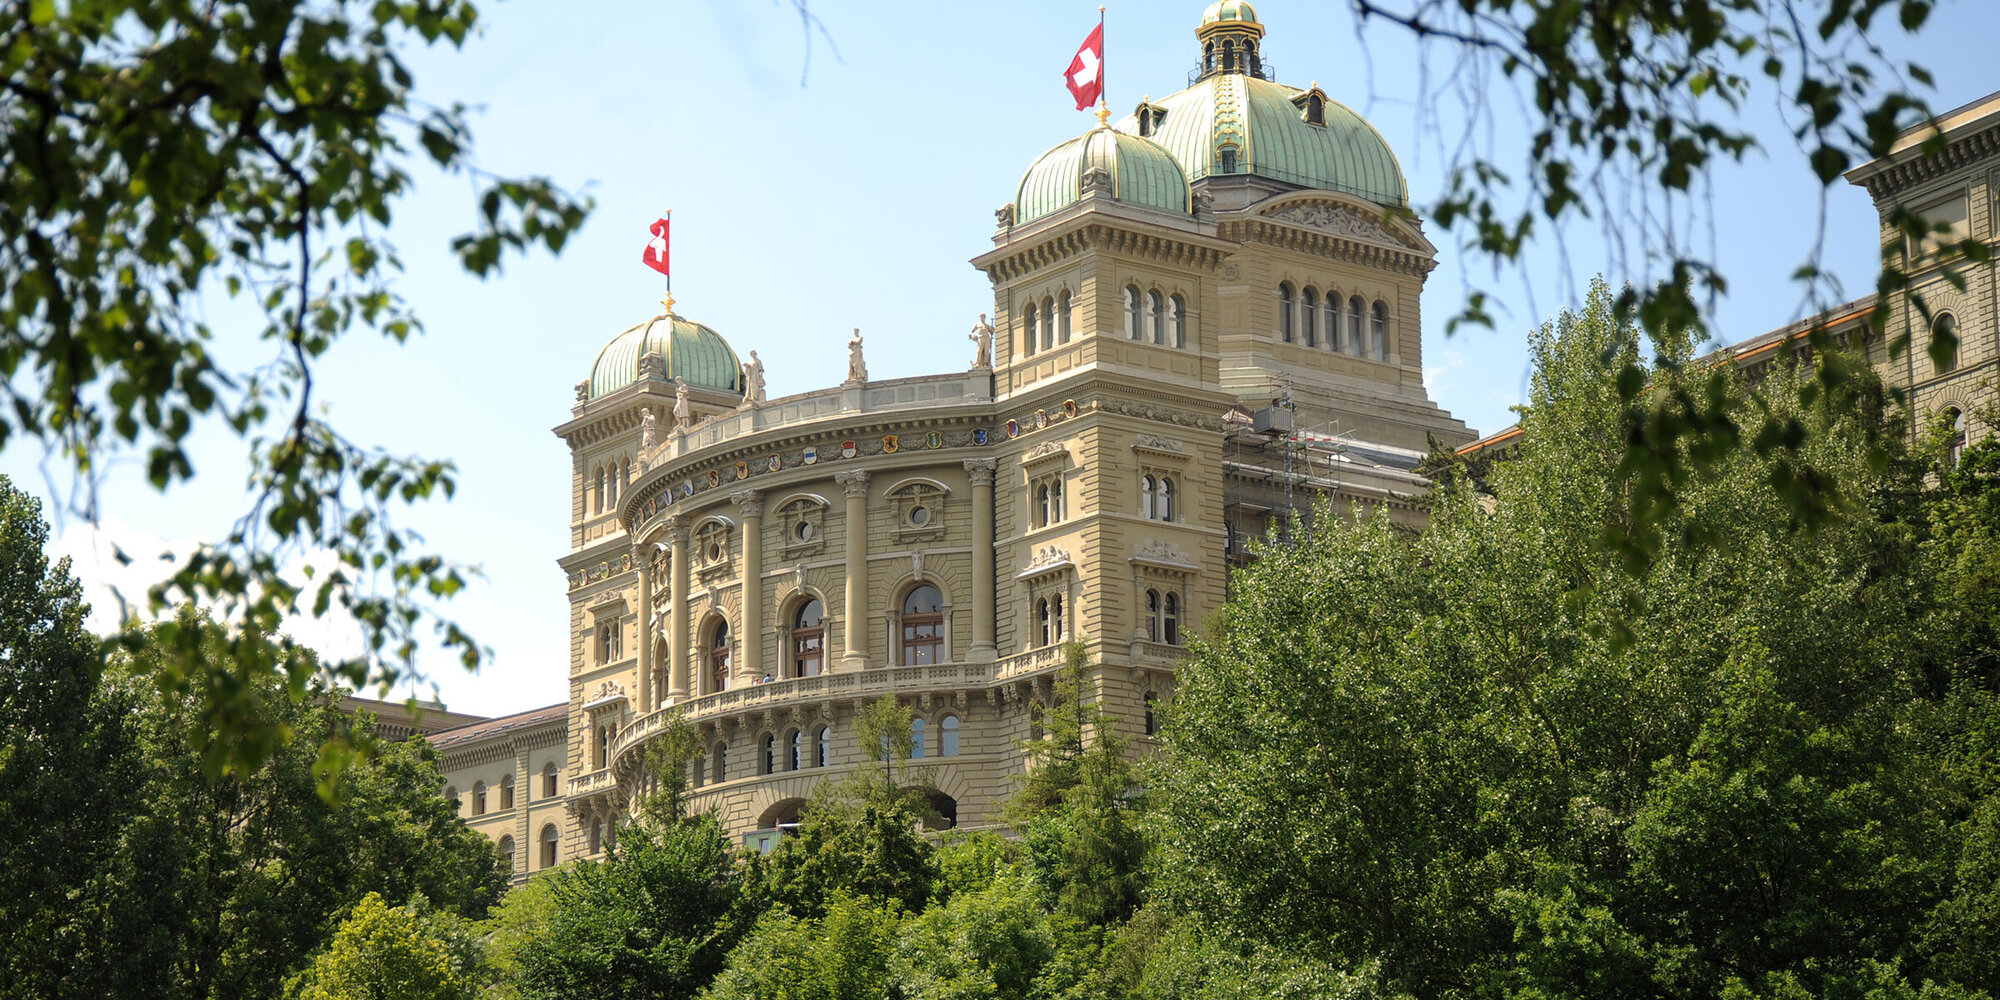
point(683, 410)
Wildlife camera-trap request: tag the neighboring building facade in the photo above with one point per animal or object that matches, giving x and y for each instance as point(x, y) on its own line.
point(1958, 188)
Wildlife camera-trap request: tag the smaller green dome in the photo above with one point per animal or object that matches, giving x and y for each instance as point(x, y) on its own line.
point(1229, 10)
point(692, 352)
point(1140, 172)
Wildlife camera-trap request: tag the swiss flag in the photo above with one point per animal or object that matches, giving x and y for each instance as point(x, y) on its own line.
point(655, 254)
point(1085, 75)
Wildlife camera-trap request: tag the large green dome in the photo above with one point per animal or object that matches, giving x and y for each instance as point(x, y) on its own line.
point(691, 351)
point(1262, 127)
point(1140, 172)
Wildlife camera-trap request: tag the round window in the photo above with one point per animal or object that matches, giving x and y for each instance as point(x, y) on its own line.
point(804, 531)
point(920, 516)
point(714, 552)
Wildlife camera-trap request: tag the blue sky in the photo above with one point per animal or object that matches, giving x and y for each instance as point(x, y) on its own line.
point(854, 200)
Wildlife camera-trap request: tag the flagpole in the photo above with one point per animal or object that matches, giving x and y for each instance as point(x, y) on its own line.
point(668, 302)
point(1103, 86)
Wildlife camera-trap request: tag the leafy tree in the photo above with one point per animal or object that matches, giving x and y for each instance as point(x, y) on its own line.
point(1502, 759)
point(518, 922)
point(155, 154)
point(69, 779)
point(234, 881)
point(882, 728)
point(859, 842)
point(1076, 804)
point(656, 918)
point(990, 943)
point(841, 956)
point(384, 952)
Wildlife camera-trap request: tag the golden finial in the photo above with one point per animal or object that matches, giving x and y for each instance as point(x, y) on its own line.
point(1103, 116)
point(667, 303)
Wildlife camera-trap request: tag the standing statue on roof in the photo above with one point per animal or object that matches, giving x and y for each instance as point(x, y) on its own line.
point(753, 381)
point(857, 369)
point(982, 340)
point(682, 413)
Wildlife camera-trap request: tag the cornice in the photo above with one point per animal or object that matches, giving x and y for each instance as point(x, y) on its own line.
point(1181, 250)
point(1290, 236)
point(1958, 153)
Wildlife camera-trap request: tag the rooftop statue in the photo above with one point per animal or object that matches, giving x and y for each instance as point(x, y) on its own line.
point(857, 369)
point(982, 339)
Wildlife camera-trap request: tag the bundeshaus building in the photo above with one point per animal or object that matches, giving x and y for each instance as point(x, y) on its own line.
point(1205, 315)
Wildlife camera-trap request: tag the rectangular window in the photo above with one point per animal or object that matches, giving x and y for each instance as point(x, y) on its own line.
point(1952, 215)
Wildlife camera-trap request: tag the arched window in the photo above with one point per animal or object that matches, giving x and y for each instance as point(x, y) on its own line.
point(948, 736)
point(795, 756)
point(1378, 331)
point(1152, 615)
point(596, 835)
point(507, 792)
point(1955, 447)
point(718, 768)
point(1357, 321)
point(1285, 311)
point(549, 781)
point(1062, 317)
point(1042, 619)
point(600, 746)
point(1165, 506)
point(1048, 323)
point(767, 759)
point(1148, 496)
point(1028, 329)
point(699, 769)
point(549, 837)
point(597, 491)
point(507, 851)
point(1132, 328)
point(1945, 327)
point(457, 804)
point(624, 474)
point(1208, 55)
point(1315, 110)
point(1170, 620)
point(1042, 505)
point(1056, 619)
point(1152, 720)
point(1308, 316)
point(923, 626)
point(479, 798)
point(822, 746)
point(1228, 159)
point(1228, 55)
point(1178, 309)
point(916, 738)
point(1332, 318)
point(1156, 316)
point(718, 657)
point(809, 639)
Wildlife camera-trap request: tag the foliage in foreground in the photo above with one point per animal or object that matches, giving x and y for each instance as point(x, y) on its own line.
point(129, 871)
point(1497, 762)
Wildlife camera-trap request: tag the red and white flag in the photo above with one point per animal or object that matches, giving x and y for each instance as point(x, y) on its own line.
point(1085, 75)
point(655, 254)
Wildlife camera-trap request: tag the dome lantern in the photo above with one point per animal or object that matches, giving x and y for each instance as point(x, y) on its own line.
point(1229, 34)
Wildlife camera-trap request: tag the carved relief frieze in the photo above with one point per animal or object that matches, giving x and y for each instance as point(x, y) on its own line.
point(1337, 220)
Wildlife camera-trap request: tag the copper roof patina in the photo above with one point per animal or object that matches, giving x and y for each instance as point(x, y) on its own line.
point(692, 352)
point(1141, 172)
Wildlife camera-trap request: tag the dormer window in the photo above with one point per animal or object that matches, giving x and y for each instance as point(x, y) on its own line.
point(1229, 159)
point(1149, 117)
point(1312, 105)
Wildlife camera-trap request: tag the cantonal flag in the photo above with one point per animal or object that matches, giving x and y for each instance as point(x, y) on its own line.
point(1085, 75)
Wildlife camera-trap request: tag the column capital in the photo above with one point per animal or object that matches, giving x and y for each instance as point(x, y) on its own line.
point(854, 483)
point(676, 526)
point(751, 502)
point(980, 470)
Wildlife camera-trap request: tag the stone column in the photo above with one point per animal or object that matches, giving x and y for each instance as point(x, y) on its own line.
point(677, 629)
point(854, 615)
point(641, 554)
point(980, 471)
point(751, 504)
